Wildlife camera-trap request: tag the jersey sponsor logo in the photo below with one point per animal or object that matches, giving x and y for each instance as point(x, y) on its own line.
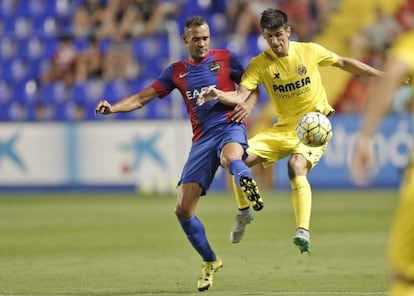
point(193, 94)
point(215, 67)
point(292, 86)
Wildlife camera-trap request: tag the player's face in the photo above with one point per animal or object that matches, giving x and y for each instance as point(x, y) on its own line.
point(197, 41)
point(278, 40)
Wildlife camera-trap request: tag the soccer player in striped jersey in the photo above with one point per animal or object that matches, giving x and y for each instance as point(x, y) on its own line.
point(398, 66)
point(219, 134)
point(289, 71)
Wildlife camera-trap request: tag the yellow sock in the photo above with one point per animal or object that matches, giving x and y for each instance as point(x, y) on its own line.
point(301, 201)
point(242, 201)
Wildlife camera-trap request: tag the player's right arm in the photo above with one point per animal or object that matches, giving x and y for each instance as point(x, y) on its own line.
point(127, 104)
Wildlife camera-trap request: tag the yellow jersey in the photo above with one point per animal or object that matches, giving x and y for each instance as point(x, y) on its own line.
point(293, 82)
point(403, 49)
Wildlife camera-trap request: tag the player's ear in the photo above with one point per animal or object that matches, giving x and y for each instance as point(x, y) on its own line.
point(288, 30)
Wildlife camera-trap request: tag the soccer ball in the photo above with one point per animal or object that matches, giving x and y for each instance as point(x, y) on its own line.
point(314, 129)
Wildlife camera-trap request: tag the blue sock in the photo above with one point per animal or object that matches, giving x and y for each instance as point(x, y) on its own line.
point(238, 168)
point(196, 234)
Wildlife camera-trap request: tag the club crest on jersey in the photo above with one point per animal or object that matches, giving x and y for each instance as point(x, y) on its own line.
point(215, 67)
point(302, 70)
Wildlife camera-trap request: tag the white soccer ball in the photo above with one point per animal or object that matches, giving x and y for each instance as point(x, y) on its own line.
point(314, 129)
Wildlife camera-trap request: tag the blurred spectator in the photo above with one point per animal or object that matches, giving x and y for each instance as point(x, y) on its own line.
point(405, 15)
point(119, 58)
point(63, 63)
point(88, 18)
point(353, 97)
point(377, 37)
point(247, 20)
point(300, 17)
point(244, 16)
point(320, 11)
point(137, 18)
point(90, 62)
point(43, 111)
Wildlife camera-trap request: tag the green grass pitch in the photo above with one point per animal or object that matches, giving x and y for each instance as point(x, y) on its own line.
point(121, 244)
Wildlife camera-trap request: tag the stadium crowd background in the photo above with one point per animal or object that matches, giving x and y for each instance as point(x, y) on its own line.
point(59, 57)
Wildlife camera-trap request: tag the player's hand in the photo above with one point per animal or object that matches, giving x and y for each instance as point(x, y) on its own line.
point(362, 162)
point(103, 107)
point(208, 94)
point(241, 112)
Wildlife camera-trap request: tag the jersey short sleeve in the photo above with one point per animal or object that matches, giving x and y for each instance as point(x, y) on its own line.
point(164, 83)
point(236, 67)
point(251, 77)
point(323, 56)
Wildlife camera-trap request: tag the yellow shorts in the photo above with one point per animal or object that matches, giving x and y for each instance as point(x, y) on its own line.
point(275, 143)
point(401, 247)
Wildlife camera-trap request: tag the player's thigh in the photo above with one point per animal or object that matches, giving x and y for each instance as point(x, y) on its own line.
point(271, 145)
point(201, 165)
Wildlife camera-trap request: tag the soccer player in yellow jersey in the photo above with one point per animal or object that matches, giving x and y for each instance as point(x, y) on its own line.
point(289, 72)
point(398, 66)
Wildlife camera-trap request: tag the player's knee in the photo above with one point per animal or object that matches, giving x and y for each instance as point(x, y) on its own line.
point(297, 166)
point(182, 213)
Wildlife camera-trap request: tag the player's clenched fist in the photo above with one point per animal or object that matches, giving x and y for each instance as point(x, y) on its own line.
point(103, 107)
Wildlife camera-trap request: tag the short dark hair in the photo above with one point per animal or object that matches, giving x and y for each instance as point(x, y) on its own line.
point(273, 18)
point(195, 21)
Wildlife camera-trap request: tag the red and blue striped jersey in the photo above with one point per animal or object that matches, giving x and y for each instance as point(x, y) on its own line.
point(221, 69)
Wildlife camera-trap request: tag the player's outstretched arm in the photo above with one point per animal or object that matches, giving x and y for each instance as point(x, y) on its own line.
point(357, 67)
point(130, 103)
point(230, 98)
point(243, 110)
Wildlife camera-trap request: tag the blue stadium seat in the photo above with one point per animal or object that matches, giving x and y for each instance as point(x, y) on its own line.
point(6, 91)
point(50, 46)
point(20, 27)
point(116, 90)
point(54, 92)
point(19, 111)
point(159, 108)
point(151, 48)
point(46, 26)
point(7, 8)
point(31, 48)
point(8, 48)
point(16, 69)
point(31, 8)
point(26, 91)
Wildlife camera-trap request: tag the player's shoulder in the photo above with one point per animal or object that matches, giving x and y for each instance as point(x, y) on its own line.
point(221, 53)
point(305, 45)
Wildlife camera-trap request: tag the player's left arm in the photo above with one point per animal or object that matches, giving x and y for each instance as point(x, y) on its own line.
point(356, 67)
